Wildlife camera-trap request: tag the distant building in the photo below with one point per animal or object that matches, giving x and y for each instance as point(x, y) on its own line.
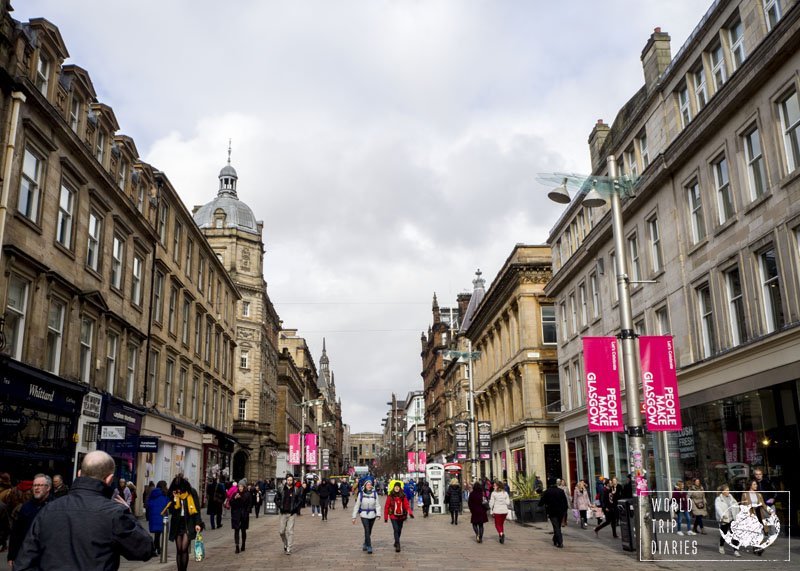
point(365, 448)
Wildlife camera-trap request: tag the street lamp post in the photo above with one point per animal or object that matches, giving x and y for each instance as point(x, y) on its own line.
point(470, 356)
point(627, 337)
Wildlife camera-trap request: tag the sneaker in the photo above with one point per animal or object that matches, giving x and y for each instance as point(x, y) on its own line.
point(690, 533)
point(681, 533)
point(722, 550)
point(369, 550)
point(736, 553)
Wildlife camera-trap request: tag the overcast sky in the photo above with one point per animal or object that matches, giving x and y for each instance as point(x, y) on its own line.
point(390, 147)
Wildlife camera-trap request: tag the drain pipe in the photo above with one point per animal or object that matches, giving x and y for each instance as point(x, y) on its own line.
point(17, 99)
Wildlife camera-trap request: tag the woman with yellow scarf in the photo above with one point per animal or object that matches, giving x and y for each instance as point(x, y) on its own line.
point(185, 519)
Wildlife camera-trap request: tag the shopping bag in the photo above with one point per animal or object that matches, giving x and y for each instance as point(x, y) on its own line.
point(199, 548)
point(577, 515)
point(511, 515)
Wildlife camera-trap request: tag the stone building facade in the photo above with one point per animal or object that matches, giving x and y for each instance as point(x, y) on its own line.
point(99, 344)
point(516, 374)
point(236, 238)
point(712, 142)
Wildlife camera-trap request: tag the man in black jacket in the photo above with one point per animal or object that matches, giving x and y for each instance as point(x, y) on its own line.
point(42, 484)
point(289, 499)
point(86, 529)
point(555, 504)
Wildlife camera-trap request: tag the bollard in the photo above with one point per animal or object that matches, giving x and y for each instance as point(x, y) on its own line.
point(165, 539)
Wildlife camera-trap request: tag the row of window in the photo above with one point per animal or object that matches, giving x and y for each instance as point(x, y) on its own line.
point(211, 406)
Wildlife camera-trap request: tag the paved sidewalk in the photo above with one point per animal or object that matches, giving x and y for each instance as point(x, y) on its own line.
point(433, 543)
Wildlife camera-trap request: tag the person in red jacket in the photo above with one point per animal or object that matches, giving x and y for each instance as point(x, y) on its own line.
point(397, 509)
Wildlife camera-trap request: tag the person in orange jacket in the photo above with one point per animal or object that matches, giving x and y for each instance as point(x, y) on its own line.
point(397, 509)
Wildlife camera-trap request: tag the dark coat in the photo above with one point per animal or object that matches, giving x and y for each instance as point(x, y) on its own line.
point(156, 502)
point(25, 516)
point(326, 490)
point(453, 498)
point(554, 501)
point(475, 504)
point(427, 495)
point(189, 520)
point(289, 501)
point(344, 490)
point(215, 494)
point(241, 502)
point(84, 530)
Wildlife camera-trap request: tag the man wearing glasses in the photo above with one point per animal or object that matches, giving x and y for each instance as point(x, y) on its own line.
point(41, 494)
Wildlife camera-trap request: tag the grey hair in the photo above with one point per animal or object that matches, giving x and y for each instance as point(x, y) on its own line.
point(243, 482)
point(47, 479)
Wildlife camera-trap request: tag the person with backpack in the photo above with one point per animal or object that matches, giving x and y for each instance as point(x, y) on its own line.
point(397, 509)
point(344, 490)
point(367, 506)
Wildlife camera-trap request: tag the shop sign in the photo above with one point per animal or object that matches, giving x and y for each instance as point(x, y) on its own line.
point(484, 440)
point(123, 415)
point(461, 429)
point(112, 433)
point(176, 432)
point(91, 405)
point(148, 444)
point(326, 459)
point(12, 420)
point(38, 394)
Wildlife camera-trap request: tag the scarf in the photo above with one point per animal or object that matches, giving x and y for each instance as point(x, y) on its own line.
point(187, 497)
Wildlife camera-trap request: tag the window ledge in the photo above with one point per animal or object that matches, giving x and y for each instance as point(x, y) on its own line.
point(32, 224)
point(789, 178)
point(758, 202)
point(698, 246)
point(724, 226)
point(64, 249)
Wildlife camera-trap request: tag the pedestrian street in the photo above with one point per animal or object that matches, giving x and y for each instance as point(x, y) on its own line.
point(432, 543)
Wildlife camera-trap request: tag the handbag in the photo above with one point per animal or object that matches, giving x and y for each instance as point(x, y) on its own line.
point(199, 548)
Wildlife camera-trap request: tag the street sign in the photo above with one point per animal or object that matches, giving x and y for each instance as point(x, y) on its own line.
point(112, 433)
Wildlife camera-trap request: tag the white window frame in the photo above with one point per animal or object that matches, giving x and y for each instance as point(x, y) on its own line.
point(205, 403)
point(245, 309)
point(130, 381)
point(662, 320)
point(772, 13)
point(136, 279)
point(55, 335)
point(187, 308)
point(550, 320)
point(15, 328)
point(158, 296)
point(736, 310)
point(242, 408)
point(573, 311)
point(182, 387)
point(94, 244)
point(695, 203)
point(684, 105)
point(172, 309)
point(122, 174)
point(30, 185)
point(163, 217)
point(117, 261)
point(594, 288)
point(43, 65)
point(244, 359)
point(736, 41)
point(177, 234)
point(100, 147)
point(154, 378)
point(718, 71)
point(700, 87)
point(726, 209)
point(74, 113)
point(195, 396)
point(790, 132)
point(584, 313)
point(66, 208)
point(87, 348)
point(756, 166)
point(169, 379)
point(112, 346)
point(644, 152)
point(705, 307)
point(634, 260)
point(768, 283)
point(656, 254)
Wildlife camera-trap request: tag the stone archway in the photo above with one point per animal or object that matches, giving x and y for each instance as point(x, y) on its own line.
point(239, 468)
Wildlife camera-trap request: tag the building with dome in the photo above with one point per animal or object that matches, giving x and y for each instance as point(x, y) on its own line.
point(236, 237)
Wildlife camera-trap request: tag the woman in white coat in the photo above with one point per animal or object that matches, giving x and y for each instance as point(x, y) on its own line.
point(726, 509)
point(499, 505)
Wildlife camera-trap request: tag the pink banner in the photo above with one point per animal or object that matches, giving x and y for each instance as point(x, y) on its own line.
point(412, 462)
point(603, 403)
point(660, 383)
point(311, 449)
point(423, 461)
point(294, 449)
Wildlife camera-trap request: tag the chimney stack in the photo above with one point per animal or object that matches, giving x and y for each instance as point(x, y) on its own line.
point(656, 56)
point(596, 140)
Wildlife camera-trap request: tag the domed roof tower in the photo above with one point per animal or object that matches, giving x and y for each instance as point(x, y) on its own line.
point(226, 210)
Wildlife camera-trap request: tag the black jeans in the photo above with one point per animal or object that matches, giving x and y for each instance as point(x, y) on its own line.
point(397, 527)
point(583, 517)
point(345, 501)
point(555, 521)
point(258, 509)
point(216, 520)
point(478, 529)
point(611, 518)
point(236, 536)
point(324, 503)
point(368, 523)
point(454, 516)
